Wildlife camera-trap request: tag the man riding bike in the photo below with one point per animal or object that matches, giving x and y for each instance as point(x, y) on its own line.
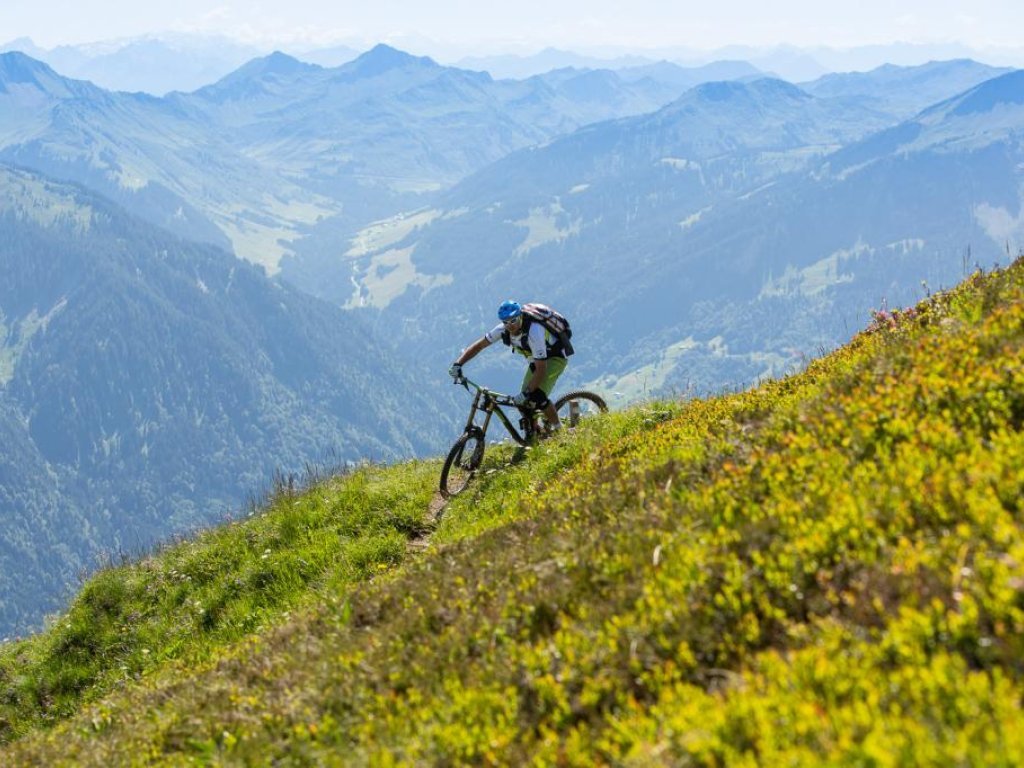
point(529, 335)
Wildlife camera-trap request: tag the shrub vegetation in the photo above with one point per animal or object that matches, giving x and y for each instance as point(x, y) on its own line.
point(826, 569)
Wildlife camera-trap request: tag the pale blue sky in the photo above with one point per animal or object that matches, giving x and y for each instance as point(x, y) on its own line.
point(472, 26)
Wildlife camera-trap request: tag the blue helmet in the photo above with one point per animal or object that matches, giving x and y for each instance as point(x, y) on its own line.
point(509, 309)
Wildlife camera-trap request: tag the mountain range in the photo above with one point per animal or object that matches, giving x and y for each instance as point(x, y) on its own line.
point(903, 91)
point(741, 227)
point(279, 159)
point(159, 63)
point(253, 161)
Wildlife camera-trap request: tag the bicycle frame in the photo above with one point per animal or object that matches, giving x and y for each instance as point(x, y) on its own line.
point(467, 452)
point(489, 403)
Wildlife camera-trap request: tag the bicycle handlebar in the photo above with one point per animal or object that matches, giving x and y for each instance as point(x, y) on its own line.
point(499, 397)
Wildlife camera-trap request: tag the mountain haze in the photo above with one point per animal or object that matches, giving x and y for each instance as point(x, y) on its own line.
point(154, 64)
point(752, 222)
point(367, 114)
point(254, 161)
point(904, 91)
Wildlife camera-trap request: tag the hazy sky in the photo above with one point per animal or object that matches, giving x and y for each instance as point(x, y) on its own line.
point(479, 25)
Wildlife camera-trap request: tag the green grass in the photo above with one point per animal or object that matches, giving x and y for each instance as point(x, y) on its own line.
point(183, 605)
point(827, 569)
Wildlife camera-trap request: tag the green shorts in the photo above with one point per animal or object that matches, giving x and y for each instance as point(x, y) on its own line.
point(556, 366)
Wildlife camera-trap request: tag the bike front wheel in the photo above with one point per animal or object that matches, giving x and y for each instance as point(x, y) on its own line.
point(463, 461)
point(574, 407)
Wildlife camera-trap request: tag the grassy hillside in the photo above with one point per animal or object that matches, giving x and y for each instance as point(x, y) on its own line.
point(828, 569)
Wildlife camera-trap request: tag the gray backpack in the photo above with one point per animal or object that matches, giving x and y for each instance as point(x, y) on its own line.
point(555, 322)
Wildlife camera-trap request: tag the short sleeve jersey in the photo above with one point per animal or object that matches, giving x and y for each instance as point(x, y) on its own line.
point(536, 338)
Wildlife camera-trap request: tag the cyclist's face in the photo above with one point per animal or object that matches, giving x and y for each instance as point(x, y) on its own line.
point(513, 325)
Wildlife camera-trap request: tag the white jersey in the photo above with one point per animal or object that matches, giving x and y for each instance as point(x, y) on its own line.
point(537, 340)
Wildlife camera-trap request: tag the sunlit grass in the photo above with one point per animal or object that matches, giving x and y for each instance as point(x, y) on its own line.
point(826, 569)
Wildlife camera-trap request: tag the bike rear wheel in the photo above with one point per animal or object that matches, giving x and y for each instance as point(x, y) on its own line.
point(574, 407)
point(463, 461)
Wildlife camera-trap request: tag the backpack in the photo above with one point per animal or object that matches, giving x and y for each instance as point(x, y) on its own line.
point(555, 323)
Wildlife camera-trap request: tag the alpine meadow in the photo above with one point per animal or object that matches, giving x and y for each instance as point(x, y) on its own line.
point(239, 524)
point(824, 569)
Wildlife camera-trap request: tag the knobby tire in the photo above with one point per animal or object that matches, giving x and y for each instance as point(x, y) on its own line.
point(462, 462)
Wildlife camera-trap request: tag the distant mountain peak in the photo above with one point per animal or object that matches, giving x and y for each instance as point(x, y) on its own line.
point(765, 87)
point(23, 44)
point(719, 90)
point(18, 67)
point(255, 76)
point(382, 58)
point(276, 63)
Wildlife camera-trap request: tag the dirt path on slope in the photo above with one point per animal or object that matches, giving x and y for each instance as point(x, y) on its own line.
point(421, 541)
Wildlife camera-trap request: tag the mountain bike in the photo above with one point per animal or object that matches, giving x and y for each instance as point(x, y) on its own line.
point(467, 453)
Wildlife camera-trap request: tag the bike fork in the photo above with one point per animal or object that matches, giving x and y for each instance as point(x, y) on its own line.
point(487, 409)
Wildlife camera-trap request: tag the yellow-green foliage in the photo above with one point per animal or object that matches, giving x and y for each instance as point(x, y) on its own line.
point(827, 569)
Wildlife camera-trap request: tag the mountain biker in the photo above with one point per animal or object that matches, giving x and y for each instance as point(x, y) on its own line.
point(545, 351)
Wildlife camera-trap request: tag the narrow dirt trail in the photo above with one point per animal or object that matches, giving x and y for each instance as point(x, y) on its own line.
point(421, 541)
